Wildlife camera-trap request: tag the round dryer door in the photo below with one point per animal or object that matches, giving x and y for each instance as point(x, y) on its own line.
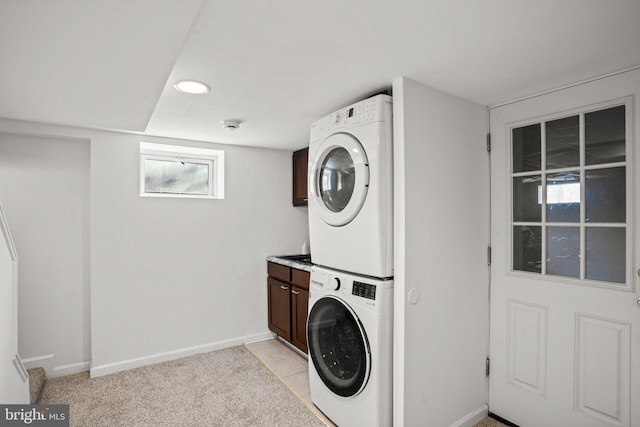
point(340, 179)
point(338, 347)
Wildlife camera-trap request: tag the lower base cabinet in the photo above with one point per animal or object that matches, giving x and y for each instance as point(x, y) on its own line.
point(299, 313)
point(288, 299)
point(280, 308)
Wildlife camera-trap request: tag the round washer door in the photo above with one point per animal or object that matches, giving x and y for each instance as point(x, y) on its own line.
point(338, 346)
point(340, 179)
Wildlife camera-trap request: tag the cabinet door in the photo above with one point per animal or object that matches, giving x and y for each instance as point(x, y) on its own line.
point(279, 295)
point(300, 160)
point(299, 313)
point(300, 278)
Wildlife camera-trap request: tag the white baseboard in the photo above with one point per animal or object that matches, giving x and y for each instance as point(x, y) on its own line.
point(262, 337)
point(69, 369)
point(48, 362)
point(473, 417)
point(110, 368)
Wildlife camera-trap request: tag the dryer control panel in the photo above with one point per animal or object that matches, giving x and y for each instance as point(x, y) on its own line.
point(364, 290)
point(368, 111)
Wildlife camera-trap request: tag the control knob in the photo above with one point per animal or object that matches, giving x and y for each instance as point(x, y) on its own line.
point(334, 284)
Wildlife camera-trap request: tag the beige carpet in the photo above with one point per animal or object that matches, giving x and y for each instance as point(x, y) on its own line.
point(490, 422)
point(222, 388)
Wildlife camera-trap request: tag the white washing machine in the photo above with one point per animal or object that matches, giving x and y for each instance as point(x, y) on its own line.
point(351, 189)
point(350, 340)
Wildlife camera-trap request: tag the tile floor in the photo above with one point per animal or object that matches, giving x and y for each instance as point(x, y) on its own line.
point(293, 370)
point(290, 367)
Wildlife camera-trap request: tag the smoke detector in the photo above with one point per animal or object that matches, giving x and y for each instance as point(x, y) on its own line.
point(231, 124)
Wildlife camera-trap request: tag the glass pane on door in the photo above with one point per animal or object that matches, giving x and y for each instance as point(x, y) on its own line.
point(606, 195)
point(604, 135)
point(563, 197)
point(337, 179)
point(563, 251)
point(527, 205)
point(527, 248)
point(527, 154)
point(606, 248)
point(563, 142)
point(569, 196)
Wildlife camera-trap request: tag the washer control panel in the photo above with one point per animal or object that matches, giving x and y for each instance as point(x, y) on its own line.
point(364, 290)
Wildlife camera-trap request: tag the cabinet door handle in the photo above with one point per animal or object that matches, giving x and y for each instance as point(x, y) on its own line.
point(283, 287)
point(294, 292)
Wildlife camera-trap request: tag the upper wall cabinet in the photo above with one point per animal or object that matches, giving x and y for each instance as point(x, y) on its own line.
point(300, 160)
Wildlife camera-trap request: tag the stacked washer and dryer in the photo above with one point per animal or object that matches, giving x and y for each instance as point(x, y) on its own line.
point(350, 324)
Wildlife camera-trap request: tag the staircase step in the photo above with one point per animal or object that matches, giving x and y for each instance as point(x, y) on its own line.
point(36, 382)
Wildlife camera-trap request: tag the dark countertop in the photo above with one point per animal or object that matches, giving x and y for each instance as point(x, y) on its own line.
point(300, 262)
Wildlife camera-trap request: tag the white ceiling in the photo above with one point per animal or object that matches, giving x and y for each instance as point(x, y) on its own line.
point(279, 65)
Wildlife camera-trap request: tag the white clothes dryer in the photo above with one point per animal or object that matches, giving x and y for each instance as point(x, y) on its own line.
point(351, 189)
point(350, 339)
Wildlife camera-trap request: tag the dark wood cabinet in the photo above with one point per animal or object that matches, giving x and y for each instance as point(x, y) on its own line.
point(299, 312)
point(280, 308)
point(288, 299)
point(280, 272)
point(300, 161)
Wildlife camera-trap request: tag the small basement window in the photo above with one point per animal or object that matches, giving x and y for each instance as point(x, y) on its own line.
point(178, 171)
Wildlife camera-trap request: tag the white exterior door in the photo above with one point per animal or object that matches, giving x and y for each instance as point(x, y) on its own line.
point(565, 314)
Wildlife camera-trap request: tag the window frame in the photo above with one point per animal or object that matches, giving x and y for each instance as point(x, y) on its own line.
point(177, 153)
point(629, 224)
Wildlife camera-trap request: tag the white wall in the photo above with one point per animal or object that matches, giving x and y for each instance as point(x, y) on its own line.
point(45, 191)
point(171, 277)
point(171, 274)
point(441, 169)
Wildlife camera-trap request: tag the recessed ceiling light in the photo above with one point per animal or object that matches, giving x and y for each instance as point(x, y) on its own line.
point(193, 87)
